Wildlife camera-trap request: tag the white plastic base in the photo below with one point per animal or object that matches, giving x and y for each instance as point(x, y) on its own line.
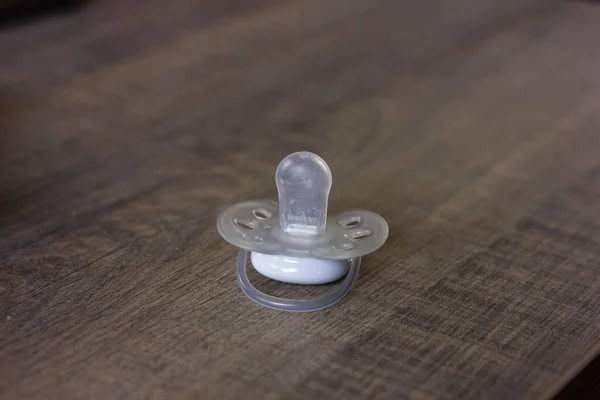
point(303, 271)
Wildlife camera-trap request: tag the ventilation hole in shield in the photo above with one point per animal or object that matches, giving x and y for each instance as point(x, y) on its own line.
point(245, 224)
point(360, 234)
point(261, 213)
point(350, 221)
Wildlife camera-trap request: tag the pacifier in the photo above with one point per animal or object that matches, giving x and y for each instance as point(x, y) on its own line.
point(294, 241)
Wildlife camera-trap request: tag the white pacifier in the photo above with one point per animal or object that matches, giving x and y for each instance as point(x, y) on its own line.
point(296, 242)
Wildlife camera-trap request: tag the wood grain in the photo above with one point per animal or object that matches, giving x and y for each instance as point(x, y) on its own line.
point(471, 126)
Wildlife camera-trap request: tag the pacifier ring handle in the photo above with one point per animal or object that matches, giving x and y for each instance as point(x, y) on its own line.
point(293, 305)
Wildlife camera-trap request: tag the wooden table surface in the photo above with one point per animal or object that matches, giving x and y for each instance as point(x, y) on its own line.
point(472, 126)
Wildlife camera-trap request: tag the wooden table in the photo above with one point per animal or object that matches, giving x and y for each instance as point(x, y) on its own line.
point(472, 126)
